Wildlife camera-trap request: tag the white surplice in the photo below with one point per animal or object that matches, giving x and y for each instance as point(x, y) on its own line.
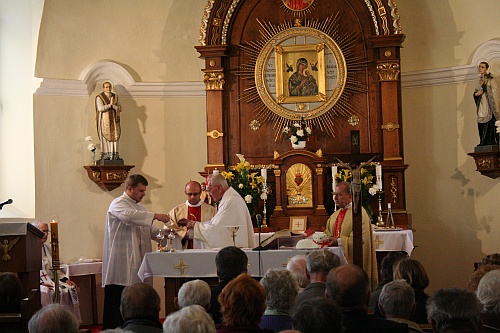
point(127, 238)
point(214, 233)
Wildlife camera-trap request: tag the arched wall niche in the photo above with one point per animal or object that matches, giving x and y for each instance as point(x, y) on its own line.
point(373, 31)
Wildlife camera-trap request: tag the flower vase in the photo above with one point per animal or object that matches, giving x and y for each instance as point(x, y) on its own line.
point(299, 145)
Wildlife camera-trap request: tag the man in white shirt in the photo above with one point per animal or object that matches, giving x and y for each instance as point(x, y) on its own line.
point(232, 211)
point(127, 238)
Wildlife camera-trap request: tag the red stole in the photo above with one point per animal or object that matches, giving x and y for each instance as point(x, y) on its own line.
point(194, 213)
point(338, 223)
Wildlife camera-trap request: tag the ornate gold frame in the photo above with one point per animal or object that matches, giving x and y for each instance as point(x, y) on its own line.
point(286, 54)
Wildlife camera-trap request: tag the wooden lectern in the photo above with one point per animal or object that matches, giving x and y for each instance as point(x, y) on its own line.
point(22, 254)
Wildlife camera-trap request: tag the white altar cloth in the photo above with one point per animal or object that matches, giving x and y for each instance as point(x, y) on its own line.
point(398, 240)
point(201, 263)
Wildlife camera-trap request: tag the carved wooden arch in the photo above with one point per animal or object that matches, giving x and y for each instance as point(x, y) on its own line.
point(229, 24)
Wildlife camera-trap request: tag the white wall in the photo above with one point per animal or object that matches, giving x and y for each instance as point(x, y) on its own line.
point(19, 23)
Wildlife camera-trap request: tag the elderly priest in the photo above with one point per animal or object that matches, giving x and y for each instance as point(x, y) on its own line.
point(232, 211)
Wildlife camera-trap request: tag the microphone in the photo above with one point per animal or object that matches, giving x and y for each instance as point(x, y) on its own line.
point(6, 202)
point(258, 217)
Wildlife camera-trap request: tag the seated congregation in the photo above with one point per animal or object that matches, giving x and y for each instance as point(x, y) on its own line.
point(312, 295)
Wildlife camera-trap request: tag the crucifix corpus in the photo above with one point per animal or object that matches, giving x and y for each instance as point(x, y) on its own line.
point(357, 223)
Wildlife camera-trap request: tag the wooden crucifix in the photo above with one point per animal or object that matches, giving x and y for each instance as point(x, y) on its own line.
point(357, 204)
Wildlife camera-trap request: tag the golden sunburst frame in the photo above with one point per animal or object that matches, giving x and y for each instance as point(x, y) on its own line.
point(329, 64)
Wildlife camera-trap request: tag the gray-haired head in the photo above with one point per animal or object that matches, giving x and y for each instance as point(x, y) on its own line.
point(454, 309)
point(281, 289)
point(218, 179)
point(194, 292)
point(191, 319)
point(53, 318)
point(322, 261)
point(397, 299)
point(297, 266)
point(488, 292)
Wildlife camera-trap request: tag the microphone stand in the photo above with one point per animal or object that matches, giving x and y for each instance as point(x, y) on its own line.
point(259, 248)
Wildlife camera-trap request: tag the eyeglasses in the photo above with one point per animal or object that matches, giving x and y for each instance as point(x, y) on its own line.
point(210, 188)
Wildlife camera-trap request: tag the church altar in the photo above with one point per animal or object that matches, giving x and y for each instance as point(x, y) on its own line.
point(201, 263)
point(384, 240)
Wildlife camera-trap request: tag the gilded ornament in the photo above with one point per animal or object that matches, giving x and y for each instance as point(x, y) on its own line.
point(390, 126)
point(484, 163)
point(394, 190)
point(353, 120)
point(388, 71)
point(299, 186)
point(212, 63)
point(215, 134)
point(214, 80)
point(276, 154)
point(255, 125)
point(395, 17)
point(227, 20)
point(387, 53)
point(374, 18)
point(319, 153)
point(204, 23)
point(383, 16)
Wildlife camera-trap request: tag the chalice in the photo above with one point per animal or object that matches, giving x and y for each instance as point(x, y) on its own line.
point(233, 230)
point(160, 236)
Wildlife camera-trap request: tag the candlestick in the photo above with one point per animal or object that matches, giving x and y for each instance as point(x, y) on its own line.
point(380, 220)
point(378, 173)
point(54, 241)
point(263, 173)
point(264, 198)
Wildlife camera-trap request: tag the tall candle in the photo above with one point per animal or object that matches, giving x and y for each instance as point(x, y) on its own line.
point(334, 176)
point(54, 240)
point(378, 173)
point(263, 173)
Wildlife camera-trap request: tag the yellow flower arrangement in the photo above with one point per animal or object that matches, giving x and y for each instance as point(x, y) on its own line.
point(248, 184)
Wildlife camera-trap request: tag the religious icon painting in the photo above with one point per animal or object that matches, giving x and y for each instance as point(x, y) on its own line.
point(297, 4)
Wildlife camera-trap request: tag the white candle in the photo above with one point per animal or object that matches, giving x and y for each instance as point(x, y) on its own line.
point(334, 176)
point(263, 173)
point(378, 173)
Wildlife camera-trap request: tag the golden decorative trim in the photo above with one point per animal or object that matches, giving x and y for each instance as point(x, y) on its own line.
point(277, 173)
point(383, 16)
point(319, 153)
point(214, 165)
point(204, 23)
point(320, 207)
point(212, 63)
point(215, 134)
point(214, 80)
point(394, 189)
point(387, 53)
point(181, 266)
point(319, 171)
point(393, 158)
point(390, 126)
point(484, 163)
point(254, 125)
point(7, 246)
point(374, 18)
point(388, 71)
point(227, 19)
point(395, 17)
point(278, 208)
point(276, 154)
point(217, 22)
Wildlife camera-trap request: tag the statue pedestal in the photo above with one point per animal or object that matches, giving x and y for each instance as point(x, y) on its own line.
point(108, 176)
point(487, 160)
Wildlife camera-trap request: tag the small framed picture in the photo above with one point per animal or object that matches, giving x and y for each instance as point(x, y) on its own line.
point(298, 223)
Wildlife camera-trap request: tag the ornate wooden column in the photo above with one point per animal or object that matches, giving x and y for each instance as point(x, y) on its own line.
point(387, 52)
point(214, 56)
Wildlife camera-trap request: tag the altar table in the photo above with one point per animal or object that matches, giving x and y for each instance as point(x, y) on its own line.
point(84, 275)
point(181, 266)
point(201, 263)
